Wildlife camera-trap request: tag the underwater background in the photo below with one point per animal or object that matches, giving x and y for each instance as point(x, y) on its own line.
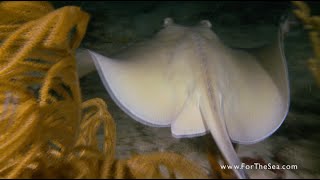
point(115, 25)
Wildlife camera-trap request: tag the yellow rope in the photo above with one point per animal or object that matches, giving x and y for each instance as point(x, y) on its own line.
point(312, 24)
point(45, 129)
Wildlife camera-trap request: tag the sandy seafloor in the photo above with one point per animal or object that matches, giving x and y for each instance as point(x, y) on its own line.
point(117, 25)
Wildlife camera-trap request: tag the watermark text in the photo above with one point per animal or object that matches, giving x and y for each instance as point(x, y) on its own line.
point(268, 166)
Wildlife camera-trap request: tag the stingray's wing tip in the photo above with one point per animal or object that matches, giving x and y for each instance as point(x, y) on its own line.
point(84, 61)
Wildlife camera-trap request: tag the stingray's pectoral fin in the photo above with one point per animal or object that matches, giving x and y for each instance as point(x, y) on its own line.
point(147, 95)
point(272, 58)
point(140, 88)
point(259, 104)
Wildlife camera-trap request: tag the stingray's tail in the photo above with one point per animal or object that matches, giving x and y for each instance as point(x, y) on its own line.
point(216, 125)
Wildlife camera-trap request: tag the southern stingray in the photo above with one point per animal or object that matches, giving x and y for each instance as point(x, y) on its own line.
point(187, 79)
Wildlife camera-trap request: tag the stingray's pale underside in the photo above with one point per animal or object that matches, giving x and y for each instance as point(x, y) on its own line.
point(186, 78)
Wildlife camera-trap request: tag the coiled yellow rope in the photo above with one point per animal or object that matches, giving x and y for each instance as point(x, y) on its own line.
point(312, 24)
point(45, 129)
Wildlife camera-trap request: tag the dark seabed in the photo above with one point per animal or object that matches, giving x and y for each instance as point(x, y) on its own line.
point(117, 25)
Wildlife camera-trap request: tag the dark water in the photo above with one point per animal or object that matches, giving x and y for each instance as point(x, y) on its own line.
point(115, 25)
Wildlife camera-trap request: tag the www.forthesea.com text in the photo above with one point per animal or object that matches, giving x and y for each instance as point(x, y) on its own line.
point(268, 166)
